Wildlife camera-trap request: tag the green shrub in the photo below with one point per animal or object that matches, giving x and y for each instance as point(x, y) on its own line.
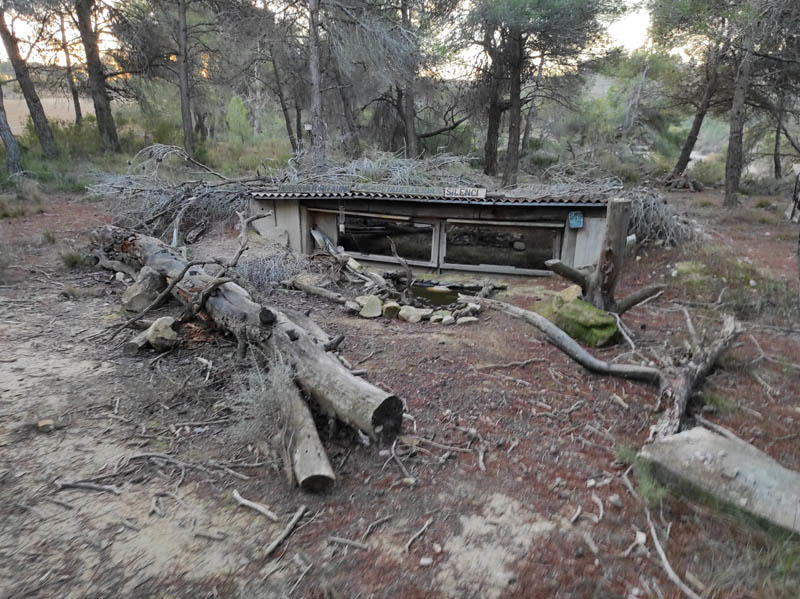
point(72, 258)
point(612, 164)
point(237, 124)
point(710, 171)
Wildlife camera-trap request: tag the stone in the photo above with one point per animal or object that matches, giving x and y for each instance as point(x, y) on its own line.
point(615, 501)
point(141, 294)
point(412, 314)
point(474, 308)
point(467, 320)
point(439, 315)
point(352, 307)
point(730, 471)
point(371, 307)
point(121, 277)
point(391, 309)
point(448, 320)
point(426, 561)
point(45, 425)
point(161, 336)
point(585, 323)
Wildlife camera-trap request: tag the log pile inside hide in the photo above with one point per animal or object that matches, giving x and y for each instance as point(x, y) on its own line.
point(301, 342)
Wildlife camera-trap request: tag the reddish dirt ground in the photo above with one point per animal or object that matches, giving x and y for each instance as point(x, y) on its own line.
point(553, 435)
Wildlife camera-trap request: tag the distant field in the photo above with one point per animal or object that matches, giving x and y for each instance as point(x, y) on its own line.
point(56, 109)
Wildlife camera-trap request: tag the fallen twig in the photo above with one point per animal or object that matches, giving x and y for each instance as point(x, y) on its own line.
point(374, 525)
point(260, 508)
point(87, 486)
point(348, 543)
point(286, 531)
point(667, 568)
point(418, 534)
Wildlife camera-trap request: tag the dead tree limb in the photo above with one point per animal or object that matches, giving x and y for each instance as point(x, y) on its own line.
point(304, 282)
point(677, 387)
point(598, 285)
point(568, 345)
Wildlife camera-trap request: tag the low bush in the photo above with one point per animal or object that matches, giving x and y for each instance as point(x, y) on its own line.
point(710, 171)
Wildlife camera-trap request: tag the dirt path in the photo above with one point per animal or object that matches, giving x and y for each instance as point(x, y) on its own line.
point(551, 434)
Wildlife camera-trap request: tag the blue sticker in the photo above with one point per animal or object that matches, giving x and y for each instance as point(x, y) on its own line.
point(576, 220)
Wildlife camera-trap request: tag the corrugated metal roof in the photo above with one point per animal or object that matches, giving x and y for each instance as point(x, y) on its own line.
point(397, 195)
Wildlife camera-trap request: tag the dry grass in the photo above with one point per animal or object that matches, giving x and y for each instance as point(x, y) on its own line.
point(733, 554)
point(261, 390)
point(736, 286)
point(72, 258)
point(58, 108)
point(266, 271)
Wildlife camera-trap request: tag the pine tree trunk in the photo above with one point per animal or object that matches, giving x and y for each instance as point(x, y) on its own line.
point(298, 121)
point(531, 111)
point(688, 145)
point(318, 149)
point(409, 103)
point(352, 144)
point(13, 156)
point(183, 78)
point(776, 153)
point(200, 128)
point(40, 124)
point(287, 119)
point(735, 157)
point(495, 116)
point(73, 89)
point(97, 77)
point(515, 111)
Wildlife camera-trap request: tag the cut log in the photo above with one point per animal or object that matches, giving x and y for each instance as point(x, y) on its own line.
point(598, 285)
point(159, 335)
point(353, 400)
point(310, 464)
point(338, 392)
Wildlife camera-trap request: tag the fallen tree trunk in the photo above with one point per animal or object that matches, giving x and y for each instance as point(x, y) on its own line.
point(304, 282)
point(677, 388)
point(353, 400)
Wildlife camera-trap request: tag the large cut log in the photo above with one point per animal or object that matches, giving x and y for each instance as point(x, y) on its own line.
point(310, 464)
point(730, 471)
point(353, 400)
point(598, 285)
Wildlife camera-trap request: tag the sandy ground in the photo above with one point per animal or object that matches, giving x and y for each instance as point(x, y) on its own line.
point(169, 439)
